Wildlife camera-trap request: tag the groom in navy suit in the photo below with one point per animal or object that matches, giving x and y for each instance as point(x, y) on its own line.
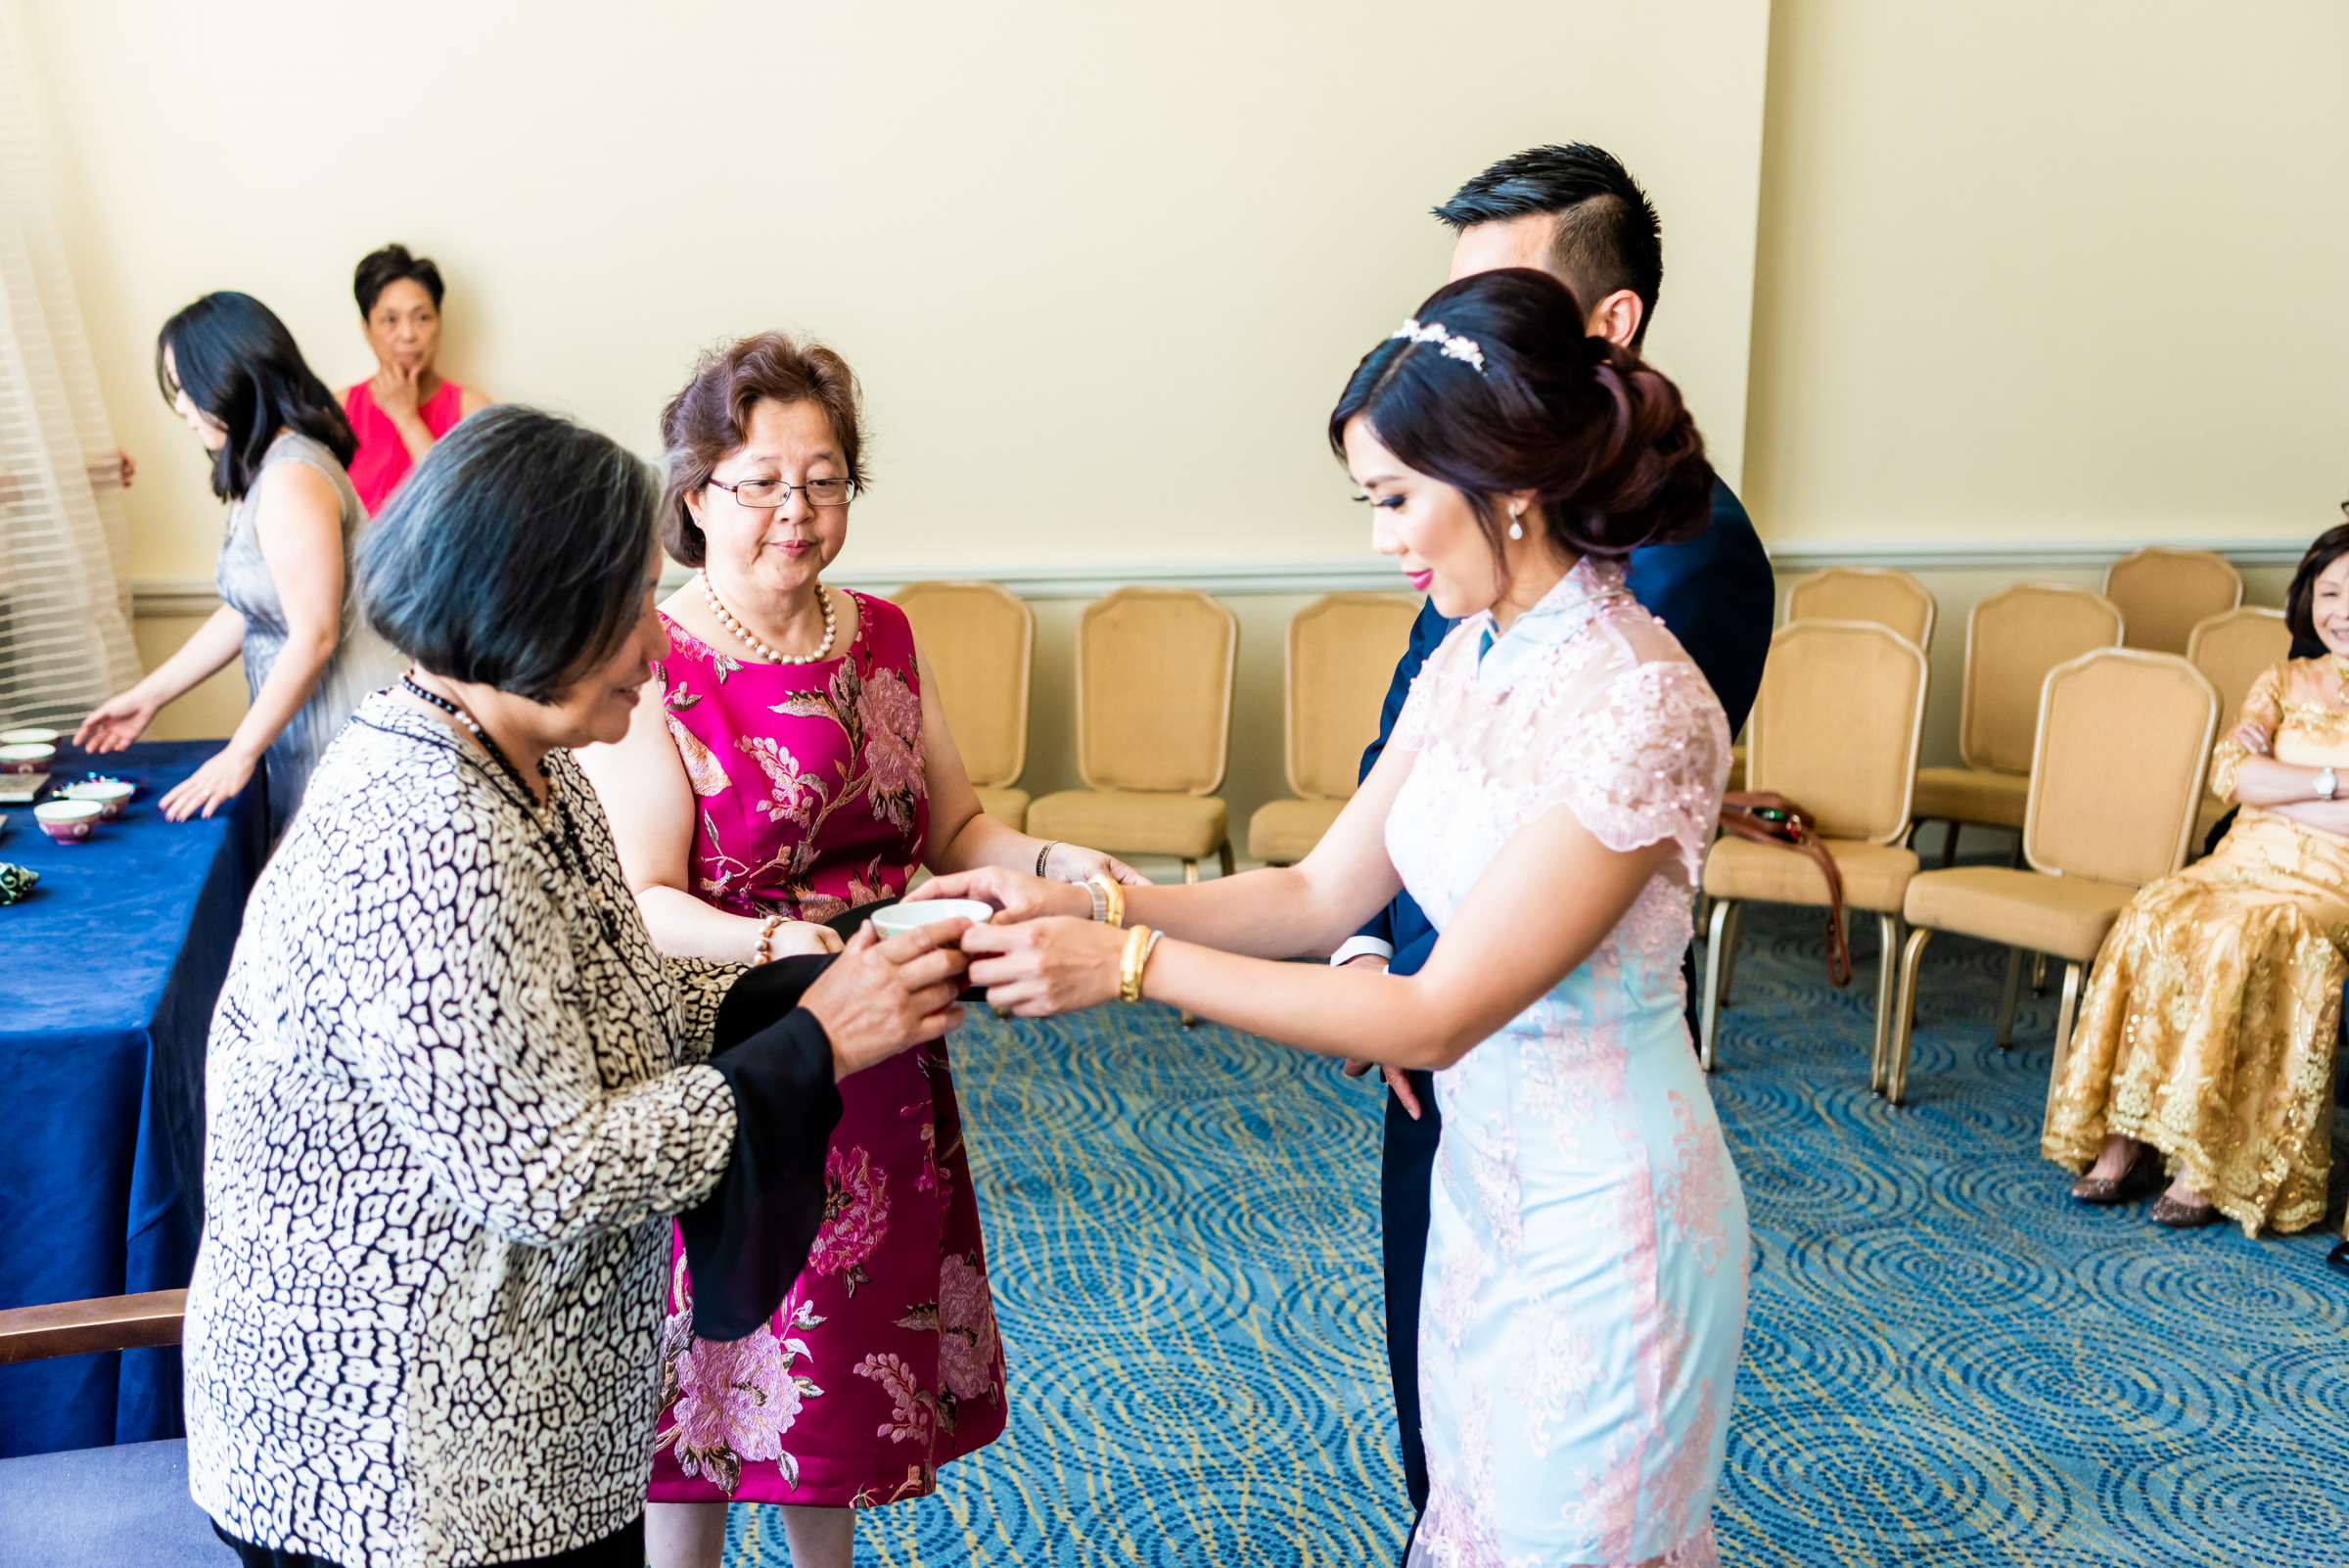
point(1574, 213)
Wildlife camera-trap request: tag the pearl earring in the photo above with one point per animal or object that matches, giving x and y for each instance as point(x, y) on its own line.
point(1516, 526)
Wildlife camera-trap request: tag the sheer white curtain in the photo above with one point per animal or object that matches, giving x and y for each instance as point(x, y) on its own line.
point(65, 608)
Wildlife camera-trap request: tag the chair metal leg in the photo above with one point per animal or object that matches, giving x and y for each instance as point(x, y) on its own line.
point(2039, 974)
point(1888, 974)
point(1190, 874)
point(2064, 1017)
point(1895, 1085)
point(1223, 858)
point(2004, 1032)
point(1729, 947)
point(1717, 937)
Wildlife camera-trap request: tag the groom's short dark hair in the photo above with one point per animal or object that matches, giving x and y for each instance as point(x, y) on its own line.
point(1609, 236)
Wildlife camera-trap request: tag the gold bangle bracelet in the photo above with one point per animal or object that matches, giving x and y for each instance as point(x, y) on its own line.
point(1109, 899)
point(1131, 965)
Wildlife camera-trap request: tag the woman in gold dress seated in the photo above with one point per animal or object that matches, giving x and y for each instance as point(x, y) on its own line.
point(2205, 1043)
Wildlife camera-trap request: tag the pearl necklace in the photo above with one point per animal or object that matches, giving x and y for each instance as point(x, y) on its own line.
point(725, 619)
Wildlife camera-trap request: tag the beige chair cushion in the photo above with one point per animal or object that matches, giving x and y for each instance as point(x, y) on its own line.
point(1126, 823)
point(1971, 795)
point(1284, 832)
point(1875, 876)
point(2065, 917)
point(1005, 806)
point(1342, 654)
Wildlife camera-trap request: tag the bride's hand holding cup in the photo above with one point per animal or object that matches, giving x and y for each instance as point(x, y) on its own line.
point(1045, 966)
point(1015, 894)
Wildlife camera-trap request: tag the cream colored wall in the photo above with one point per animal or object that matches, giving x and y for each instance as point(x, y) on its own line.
point(2022, 273)
point(2071, 271)
point(1102, 268)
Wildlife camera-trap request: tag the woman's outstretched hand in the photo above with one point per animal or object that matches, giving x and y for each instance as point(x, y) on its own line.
point(878, 997)
point(1044, 966)
point(1015, 894)
point(1074, 862)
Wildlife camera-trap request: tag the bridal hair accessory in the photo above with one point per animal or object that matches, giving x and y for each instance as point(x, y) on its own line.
point(1463, 349)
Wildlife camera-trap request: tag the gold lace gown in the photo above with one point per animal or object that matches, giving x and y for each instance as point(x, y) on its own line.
point(2209, 1023)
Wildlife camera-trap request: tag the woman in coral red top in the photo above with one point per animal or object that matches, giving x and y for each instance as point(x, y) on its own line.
point(790, 764)
point(406, 405)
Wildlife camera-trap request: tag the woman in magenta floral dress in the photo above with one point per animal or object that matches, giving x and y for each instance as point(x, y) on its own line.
point(789, 763)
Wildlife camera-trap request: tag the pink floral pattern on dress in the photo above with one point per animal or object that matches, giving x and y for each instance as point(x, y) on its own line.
point(730, 1400)
point(1699, 1194)
point(914, 1413)
point(818, 806)
point(969, 1347)
point(855, 1214)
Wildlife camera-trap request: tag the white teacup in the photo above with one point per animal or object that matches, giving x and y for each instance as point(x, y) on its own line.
point(26, 757)
point(68, 821)
point(901, 918)
point(29, 737)
point(111, 794)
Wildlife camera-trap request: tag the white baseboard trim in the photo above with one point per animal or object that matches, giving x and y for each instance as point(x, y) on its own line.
point(194, 596)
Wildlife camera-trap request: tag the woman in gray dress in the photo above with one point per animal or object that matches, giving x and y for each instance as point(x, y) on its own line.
point(279, 443)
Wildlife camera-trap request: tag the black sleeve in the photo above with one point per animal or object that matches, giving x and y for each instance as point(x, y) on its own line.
point(749, 1238)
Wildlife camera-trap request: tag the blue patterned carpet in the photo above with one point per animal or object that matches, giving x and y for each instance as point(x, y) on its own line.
point(1949, 1363)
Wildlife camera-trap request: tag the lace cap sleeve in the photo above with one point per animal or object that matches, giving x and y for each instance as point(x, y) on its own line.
point(2262, 706)
point(1646, 761)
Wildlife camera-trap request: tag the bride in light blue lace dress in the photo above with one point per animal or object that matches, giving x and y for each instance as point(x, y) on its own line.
point(1547, 797)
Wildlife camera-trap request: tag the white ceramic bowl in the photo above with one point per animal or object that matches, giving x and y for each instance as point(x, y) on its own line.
point(26, 757)
point(30, 737)
point(111, 794)
point(69, 821)
point(900, 918)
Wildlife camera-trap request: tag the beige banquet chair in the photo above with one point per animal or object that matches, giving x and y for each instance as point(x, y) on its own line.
point(2115, 714)
point(1341, 659)
point(1834, 730)
point(2012, 639)
point(978, 641)
point(1876, 594)
point(1154, 679)
point(2233, 650)
point(2165, 595)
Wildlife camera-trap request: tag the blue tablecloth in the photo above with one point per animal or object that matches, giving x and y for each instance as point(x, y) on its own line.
point(107, 973)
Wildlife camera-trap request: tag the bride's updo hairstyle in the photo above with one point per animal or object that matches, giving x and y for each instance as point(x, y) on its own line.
point(1494, 388)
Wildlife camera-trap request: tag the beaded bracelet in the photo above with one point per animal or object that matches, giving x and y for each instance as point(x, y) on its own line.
point(765, 952)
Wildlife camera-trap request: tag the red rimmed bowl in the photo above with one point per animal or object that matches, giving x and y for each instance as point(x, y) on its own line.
point(111, 794)
point(69, 821)
point(28, 756)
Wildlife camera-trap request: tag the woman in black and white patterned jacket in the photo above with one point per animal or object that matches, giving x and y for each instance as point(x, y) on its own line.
point(455, 1095)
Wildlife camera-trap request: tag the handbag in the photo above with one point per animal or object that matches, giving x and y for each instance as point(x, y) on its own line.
point(1762, 817)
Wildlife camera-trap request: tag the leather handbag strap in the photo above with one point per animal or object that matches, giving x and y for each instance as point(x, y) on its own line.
point(1762, 817)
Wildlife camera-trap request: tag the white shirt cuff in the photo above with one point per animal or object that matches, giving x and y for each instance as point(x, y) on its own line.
point(1356, 946)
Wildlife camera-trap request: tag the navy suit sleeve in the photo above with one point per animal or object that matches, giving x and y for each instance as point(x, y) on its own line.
point(1427, 632)
point(1717, 595)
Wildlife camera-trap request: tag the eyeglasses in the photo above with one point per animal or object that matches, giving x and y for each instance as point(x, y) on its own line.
point(764, 493)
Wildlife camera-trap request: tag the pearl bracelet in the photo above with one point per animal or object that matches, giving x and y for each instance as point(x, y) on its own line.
point(764, 952)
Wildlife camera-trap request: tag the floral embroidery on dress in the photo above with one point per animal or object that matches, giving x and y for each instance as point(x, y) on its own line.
point(703, 770)
point(731, 1401)
point(891, 718)
point(1565, 1373)
point(1700, 1183)
point(791, 794)
point(969, 1345)
point(914, 1418)
point(855, 1214)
